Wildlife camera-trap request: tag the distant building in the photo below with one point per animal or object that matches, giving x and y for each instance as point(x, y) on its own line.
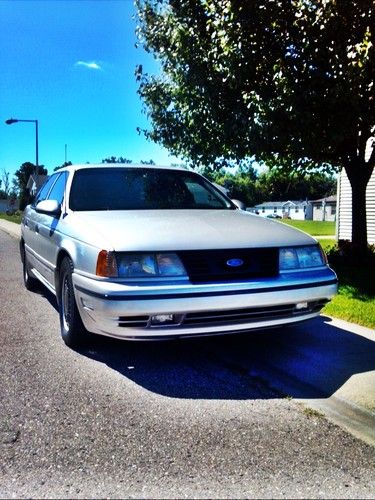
point(297, 210)
point(35, 182)
point(324, 209)
point(9, 205)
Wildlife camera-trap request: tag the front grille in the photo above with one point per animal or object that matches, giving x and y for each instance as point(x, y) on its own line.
point(207, 266)
point(230, 316)
point(250, 314)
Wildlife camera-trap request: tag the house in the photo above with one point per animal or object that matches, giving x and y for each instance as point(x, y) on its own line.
point(35, 182)
point(9, 205)
point(324, 209)
point(344, 208)
point(297, 210)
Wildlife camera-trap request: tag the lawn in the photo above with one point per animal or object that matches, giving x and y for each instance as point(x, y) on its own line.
point(355, 300)
point(314, 227)
point(12, 218)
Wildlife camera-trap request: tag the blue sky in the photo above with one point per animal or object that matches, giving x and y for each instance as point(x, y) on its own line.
point(70, 64)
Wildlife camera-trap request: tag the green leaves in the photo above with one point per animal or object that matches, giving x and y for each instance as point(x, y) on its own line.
point(283, 81)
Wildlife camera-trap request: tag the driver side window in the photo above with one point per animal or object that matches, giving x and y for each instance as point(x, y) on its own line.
point(58, 190)
point(43, 192)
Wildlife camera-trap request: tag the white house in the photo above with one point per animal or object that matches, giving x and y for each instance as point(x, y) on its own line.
point(344, 208)
point(35, 182)
point(10, 204)
point(297, 210)
point(324, 209)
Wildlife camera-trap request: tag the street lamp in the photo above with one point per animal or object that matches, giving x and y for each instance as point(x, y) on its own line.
point(10, 121)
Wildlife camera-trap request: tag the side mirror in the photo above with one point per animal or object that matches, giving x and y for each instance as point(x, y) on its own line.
point(49, 207)
point(240, 204)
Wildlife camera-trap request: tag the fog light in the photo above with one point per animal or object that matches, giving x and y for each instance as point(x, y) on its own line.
point(302, 305)
point(162, 319)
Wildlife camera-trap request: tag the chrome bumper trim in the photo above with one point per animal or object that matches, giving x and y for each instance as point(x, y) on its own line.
point(186, 295)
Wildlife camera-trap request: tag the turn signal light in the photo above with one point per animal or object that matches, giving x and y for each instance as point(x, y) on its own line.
point(106, 265)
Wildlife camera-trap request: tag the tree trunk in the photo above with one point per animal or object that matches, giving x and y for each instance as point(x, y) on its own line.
point(359, 177)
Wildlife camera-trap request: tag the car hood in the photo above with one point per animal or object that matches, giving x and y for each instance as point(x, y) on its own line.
point(153, 230)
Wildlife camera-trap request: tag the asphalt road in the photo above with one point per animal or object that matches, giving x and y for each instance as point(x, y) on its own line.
point(214, 417)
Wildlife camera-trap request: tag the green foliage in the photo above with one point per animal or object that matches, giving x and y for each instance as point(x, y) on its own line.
point(148, 162)
point(114, 159)
point(272, 185)
point(240, 185)
point(289, 83)
point(65, 164)
point(16, 217)
point(22, 176)
point(4, 184)
point(278, 184)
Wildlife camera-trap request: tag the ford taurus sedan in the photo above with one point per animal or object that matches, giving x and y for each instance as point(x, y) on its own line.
point(140, 253)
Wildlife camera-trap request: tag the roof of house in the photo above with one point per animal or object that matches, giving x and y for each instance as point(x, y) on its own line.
point(37, 180)
point(328, 199)
point(282, 204)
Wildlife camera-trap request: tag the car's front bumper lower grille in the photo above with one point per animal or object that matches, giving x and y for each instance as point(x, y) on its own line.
point(227, 317)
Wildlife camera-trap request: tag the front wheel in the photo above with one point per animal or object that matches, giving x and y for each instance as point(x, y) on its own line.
point(73, 332)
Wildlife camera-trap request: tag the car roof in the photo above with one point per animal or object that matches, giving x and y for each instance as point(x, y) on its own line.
point(73, 168)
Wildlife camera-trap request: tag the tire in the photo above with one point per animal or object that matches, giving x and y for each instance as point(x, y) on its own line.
point(73, 333)
point(30, 283)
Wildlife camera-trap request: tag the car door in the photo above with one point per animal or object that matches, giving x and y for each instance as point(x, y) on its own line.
point(49, 230)
point(31, 221)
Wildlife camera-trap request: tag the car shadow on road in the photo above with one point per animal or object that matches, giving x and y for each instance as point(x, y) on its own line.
point(312, 360)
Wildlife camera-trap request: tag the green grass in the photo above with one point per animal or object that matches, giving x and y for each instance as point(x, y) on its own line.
point(327, 244)
point(355, 301)
point(313, 227)
point(12, 218)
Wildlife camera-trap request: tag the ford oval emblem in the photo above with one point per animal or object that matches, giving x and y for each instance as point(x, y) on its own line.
point(234, 262)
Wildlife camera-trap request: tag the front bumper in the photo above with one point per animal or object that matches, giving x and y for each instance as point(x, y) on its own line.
point(126, 310)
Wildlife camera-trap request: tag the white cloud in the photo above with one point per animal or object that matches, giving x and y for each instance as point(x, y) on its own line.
point(89, 64)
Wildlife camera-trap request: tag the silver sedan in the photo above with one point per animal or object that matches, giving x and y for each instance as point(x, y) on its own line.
point(138, 252)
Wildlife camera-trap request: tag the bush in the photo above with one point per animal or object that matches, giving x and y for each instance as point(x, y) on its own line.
point(349, 255)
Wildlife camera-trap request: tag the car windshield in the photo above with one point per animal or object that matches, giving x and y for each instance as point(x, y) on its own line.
point(140, 188)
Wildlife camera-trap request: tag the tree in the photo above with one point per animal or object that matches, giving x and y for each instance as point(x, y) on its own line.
point(148, 162)
point(114, 159)
point(22, 176)
point(5, 182)
point(288, 82)
point(278, 185)
point(65, 164)
point(240, 185)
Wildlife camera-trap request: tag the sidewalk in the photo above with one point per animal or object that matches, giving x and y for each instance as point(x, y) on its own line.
point(11, 228)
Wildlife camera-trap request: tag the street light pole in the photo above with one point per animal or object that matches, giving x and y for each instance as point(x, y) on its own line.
point(16, 120)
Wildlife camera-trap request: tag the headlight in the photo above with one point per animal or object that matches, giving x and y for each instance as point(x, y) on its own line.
point(301, 257)
point(139, 265)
